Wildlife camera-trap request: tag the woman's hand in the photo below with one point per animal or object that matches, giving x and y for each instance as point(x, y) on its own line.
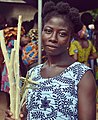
point(9, 116)
point(23, 114)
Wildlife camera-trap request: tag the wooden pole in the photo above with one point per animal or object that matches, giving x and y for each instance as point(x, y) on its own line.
point(39, 30)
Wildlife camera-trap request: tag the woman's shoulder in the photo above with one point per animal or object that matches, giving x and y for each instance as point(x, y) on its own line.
point(79, 68)
point(75, 41)
point(90, 42)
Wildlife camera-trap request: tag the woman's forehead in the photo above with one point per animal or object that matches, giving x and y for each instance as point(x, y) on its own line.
point(57, 21)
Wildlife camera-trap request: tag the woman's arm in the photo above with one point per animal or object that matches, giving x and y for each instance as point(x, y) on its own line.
point(75, 56)
point(87, 97)
point(93, 56)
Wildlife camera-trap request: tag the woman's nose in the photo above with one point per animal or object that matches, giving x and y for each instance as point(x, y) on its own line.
point(54, 36)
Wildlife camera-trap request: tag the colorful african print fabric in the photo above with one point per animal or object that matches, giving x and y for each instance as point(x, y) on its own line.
point(4, 76)
point(10, 35)
point(30, 54)
point(30, 51)
point(33, 34)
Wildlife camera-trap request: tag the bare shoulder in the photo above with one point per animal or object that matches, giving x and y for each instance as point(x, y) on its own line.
point(88, 81)
point(87, 97)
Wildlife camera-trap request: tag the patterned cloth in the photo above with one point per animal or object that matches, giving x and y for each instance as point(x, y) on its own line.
point(83, 53)
point(33, 34)
point(30, 51)
point(30, 54)
point(55, 98)
point(4, 76)
point(10, 35)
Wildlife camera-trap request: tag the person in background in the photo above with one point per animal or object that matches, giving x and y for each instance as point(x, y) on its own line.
point(10, 35)
point(82, 49)
point(3, 22)
point(66, 89)
point(30, 51)
point(87, 19)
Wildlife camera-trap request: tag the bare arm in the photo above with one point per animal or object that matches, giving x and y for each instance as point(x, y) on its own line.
point(75, 56)
point(93, 56)
point(87, 97)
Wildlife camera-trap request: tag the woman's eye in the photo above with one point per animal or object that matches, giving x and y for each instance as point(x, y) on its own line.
point(48, 31)
point(62, 34)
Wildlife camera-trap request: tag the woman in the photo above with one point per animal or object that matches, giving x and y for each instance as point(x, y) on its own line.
point(82, 49)
point(66, 89)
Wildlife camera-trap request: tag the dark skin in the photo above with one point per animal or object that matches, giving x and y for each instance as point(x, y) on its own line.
point(56, 36)
point(24, 40)
point(23, 114)
point(4, 104)
point(87, 95)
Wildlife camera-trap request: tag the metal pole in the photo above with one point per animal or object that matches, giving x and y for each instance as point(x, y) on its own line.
point(39, 30)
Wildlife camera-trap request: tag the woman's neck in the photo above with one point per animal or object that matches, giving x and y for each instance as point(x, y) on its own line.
point(60, 60)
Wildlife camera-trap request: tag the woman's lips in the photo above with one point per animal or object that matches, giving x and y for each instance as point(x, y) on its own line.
point(51, 46)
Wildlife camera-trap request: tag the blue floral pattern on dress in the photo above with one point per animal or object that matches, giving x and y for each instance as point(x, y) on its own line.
point(55, 98)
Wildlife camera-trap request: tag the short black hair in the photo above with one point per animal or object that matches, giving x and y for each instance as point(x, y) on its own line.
point(35, 18)
point(63, 9)
point(87, 18)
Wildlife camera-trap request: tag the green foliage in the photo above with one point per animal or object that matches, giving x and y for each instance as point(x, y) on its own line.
point(94, 13)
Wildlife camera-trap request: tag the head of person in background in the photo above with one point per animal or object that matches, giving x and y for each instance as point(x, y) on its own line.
point(3, 22)
point(12, 22)
point(83, 34)
point(33, 32)
point(27, 26)
point(35, 20)
point(87, 20)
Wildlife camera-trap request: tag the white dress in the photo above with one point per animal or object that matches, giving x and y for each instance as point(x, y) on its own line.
point(55, 98)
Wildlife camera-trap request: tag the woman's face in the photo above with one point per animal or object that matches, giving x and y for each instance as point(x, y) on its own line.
point(56, 36)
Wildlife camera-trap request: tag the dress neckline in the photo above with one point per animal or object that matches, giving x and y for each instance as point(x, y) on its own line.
point(66, 69)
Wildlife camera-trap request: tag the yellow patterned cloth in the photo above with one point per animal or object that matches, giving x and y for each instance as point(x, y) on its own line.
point(33, 34)
point(83, 53)
point(12, 32)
